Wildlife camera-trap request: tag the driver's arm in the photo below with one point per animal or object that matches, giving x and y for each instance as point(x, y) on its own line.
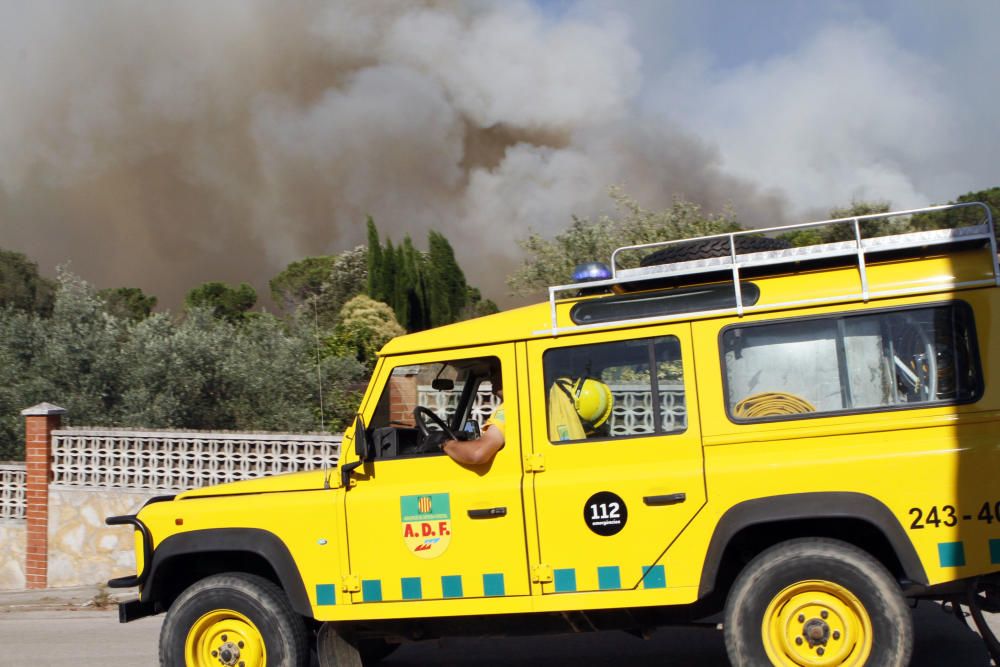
point(476, 452)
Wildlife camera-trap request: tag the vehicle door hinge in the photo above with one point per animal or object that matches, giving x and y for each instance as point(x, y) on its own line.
point(541, 574)
point(534, 463)
point(351, 584)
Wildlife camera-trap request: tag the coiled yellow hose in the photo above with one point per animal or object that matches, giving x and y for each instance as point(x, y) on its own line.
point(772, 404)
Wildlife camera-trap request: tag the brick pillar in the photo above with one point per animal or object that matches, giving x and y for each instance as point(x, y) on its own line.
point(39, 422)
point(403, 397)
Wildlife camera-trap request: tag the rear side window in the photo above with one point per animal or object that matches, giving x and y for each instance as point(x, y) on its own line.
point(615, 390)
point(883, 360)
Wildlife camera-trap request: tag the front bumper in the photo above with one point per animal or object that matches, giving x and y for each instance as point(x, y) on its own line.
point(134, 610)
point(140, 558)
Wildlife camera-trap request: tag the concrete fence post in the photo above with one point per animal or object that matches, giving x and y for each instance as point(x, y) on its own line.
point(39, 422)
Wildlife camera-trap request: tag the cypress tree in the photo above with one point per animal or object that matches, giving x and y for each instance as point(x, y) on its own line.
point(387, 274)
point(446, 282)
point(375, 289)
point(412, 316)
point(400, 282)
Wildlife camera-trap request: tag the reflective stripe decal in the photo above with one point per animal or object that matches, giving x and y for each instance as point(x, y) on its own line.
point(493, 585)
point(654, 577)
point(951, 554)
point(451, 586)
point(412, 589)
point(609, 578)
point(371, 590)
point(564, 580)
point(326, 594)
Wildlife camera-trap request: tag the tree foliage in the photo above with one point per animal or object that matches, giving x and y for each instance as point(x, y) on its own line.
point(201, 371)
point(223, 301)
point(423, 290)
point(301, 281)
point(845, 231)
point(446, 284)
point(551, 261)
point(21, 287)
point(374, 279)
point(964, 216)
point(364, 326)
point(477, 306)
point(348, 277)
point(128, 302)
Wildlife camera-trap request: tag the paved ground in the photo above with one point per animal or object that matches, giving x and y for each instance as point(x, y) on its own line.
point(89, 638)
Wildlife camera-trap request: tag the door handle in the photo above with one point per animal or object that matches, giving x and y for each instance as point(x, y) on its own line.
point(668, 499)
point(488, 513)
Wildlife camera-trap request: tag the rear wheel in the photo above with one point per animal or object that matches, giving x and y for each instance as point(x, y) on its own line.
point(817, 602)
point(236, 620)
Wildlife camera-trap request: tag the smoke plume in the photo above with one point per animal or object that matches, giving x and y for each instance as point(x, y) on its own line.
point(161, 145)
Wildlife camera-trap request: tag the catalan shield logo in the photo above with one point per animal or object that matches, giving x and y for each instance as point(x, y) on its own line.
point(426, 522)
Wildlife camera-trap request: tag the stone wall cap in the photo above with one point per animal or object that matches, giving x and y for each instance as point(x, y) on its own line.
point(43, 410)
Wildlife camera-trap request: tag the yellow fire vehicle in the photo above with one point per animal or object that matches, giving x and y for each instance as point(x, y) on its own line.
point(796, 442)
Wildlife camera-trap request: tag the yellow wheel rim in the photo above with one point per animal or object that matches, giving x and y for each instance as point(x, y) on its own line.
point(816, 624)
point(224, 637)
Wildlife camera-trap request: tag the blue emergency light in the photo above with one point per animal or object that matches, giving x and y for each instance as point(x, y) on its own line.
point(584, 273)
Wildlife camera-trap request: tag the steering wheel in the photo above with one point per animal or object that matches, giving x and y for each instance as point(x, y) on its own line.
point(424, 416)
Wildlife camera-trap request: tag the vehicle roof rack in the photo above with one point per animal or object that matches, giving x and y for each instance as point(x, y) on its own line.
point(860, 249)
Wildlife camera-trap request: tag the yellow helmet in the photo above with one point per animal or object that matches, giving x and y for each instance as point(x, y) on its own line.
point(592, 400)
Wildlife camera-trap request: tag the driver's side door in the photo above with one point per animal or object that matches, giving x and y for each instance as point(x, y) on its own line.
point(421, 526)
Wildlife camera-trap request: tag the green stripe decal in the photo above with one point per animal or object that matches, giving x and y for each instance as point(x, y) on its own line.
point(995, 552)
point(654, 577)
point(564, 580)
point(326, 594)
point(609, 578)
point(451, 586)
point(951, 554)
point(493, 585)
point(371, 590)
point(412, 589)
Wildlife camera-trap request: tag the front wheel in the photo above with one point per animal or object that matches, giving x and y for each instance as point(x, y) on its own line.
point(234, 620)
point(817, 602)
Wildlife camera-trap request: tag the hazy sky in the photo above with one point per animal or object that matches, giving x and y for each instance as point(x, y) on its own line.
point(161, 145)
point(827, 101)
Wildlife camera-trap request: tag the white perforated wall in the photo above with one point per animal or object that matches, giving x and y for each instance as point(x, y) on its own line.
point(632, 412)
point(13, 480)
point(174, 460)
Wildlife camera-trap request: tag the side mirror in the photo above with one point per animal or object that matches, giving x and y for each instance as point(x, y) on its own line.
point(471, 430)
point(361, 446)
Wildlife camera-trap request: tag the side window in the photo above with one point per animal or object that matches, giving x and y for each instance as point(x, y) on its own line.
point(612, 390)
point(418, 399)
point(916, 356)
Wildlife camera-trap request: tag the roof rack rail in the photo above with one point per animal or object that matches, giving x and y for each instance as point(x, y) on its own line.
point(860, 248)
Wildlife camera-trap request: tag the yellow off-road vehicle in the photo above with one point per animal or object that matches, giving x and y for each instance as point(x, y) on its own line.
point(794, 441)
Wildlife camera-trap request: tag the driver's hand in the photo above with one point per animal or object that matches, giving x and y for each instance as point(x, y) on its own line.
point(434, 442)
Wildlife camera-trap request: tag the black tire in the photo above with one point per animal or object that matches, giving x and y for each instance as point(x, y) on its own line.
point(775, 610)
point(221, 612)
point(683, 252)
